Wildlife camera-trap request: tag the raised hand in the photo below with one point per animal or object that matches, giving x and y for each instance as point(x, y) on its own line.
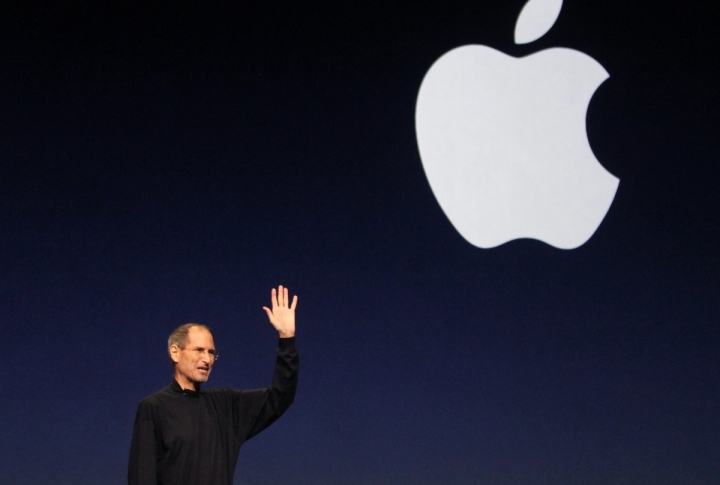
point(282, 315)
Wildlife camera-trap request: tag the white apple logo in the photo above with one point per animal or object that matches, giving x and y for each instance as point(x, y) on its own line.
point(503, 142)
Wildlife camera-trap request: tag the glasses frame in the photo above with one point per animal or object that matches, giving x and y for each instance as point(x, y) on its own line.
point(212, 355)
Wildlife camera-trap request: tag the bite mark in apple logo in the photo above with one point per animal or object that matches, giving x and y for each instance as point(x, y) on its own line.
point(503, 140)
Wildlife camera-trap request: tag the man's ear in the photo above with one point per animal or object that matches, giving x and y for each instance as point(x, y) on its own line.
point(174, 351)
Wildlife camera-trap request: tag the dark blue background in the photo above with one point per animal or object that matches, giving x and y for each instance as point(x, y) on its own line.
point(172, 162)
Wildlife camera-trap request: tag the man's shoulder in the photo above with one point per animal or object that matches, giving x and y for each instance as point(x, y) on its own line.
point(221, 392)
point(156, 397)
point(229, 396)
point(152, 406)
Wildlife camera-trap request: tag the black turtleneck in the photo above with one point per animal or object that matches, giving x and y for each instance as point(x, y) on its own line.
point(183, 437)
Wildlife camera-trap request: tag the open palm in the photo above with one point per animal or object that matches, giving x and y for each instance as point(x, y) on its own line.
point(282, 314)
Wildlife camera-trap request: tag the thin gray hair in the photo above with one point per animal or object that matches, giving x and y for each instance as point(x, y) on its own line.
point(179, 336)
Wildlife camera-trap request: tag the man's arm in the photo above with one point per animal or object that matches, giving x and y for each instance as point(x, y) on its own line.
point(142, 466)
point(267, 405)
point(261, 407)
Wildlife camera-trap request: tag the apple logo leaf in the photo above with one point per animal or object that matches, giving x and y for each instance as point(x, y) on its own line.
point(535, 19)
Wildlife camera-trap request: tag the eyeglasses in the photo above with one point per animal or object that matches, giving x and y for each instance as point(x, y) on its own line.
point(212, 355)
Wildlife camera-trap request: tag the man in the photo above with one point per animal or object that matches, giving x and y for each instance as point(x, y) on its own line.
point(185, 435)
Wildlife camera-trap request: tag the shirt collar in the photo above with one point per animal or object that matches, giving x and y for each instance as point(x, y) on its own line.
point(188, 392)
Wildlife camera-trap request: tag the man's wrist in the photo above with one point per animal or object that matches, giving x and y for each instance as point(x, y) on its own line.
point(286, 343)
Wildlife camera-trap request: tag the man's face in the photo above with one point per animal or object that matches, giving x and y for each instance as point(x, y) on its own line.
point(194, 362)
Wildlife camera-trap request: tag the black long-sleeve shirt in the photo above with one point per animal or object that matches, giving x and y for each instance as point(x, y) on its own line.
point(183, 437)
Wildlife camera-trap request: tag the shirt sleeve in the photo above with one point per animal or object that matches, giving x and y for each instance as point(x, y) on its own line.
point(143, 450)
point(259, 408)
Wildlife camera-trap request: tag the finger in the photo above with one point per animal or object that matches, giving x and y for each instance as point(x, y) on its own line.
point(273, 298)
point(294, 303)
point(281, 296)
point(286, 300)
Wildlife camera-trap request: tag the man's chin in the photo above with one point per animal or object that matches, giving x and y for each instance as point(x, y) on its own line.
point(201, 377)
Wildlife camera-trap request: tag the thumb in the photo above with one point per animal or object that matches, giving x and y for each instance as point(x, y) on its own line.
point(269, 312)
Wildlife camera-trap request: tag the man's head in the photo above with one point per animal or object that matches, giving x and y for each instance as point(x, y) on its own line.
point(192, 351)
